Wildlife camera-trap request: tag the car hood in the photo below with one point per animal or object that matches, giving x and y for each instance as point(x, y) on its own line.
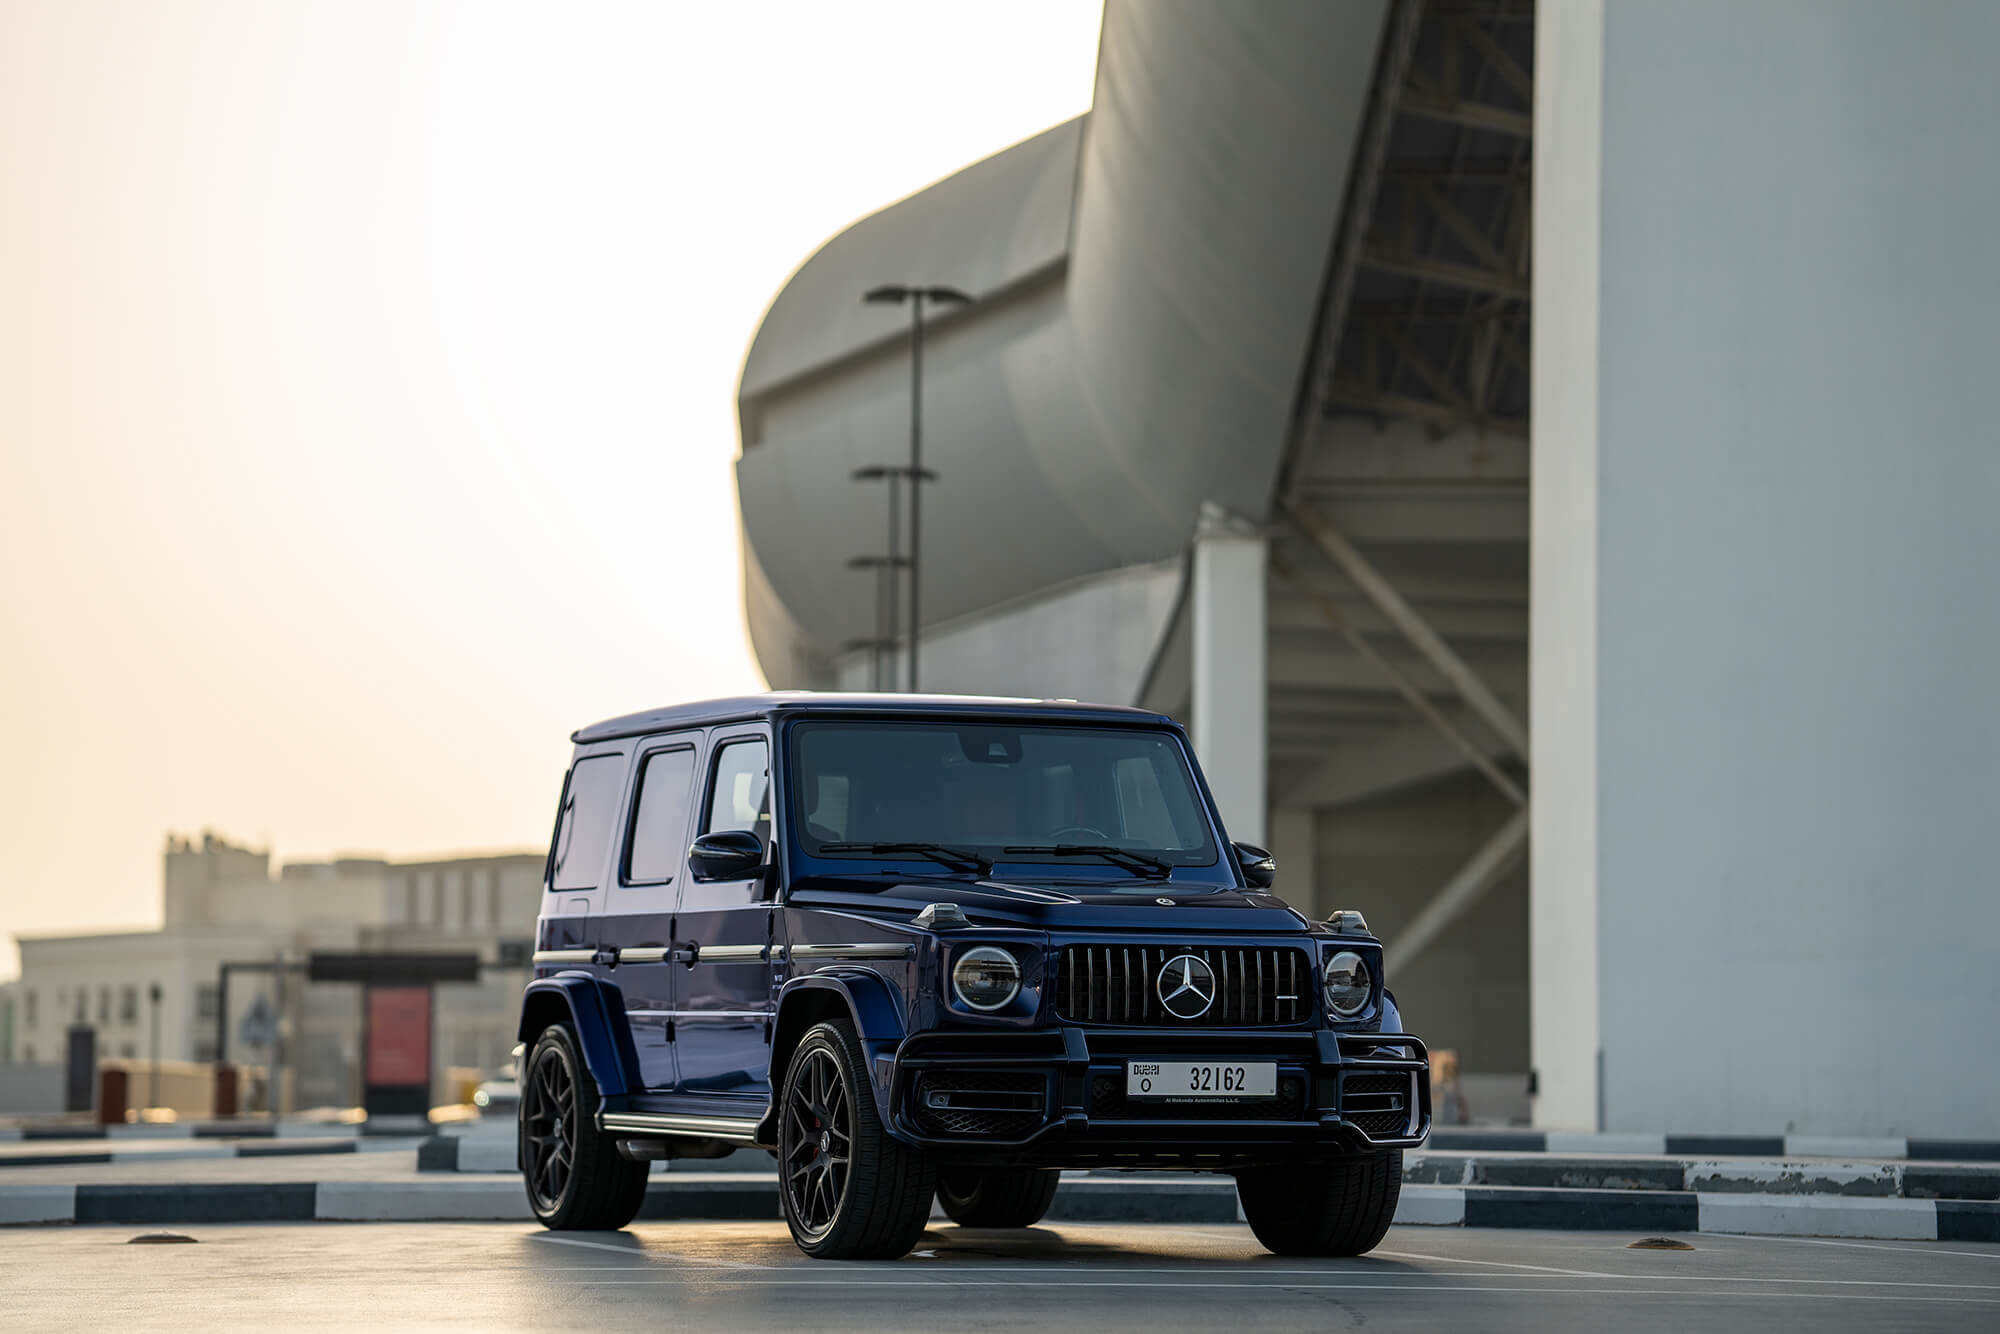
point(1053, 904)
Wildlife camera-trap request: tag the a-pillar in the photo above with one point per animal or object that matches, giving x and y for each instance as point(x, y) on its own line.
point(1229, 686)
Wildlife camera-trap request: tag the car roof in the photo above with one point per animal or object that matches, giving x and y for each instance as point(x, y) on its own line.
point(705, 712)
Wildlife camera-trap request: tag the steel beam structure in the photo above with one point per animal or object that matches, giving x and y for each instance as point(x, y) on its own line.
point(1418, 631)
point(1483, 870)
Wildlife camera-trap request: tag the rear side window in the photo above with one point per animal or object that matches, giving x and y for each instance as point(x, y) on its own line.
point(583, 826)
point(741, 798)
point(660, 816)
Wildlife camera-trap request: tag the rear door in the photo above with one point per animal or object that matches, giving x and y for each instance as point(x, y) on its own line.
point(725, 928)
point(636, 916)
point(579, 856)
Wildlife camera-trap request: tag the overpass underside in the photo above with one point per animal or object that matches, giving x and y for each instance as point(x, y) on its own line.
point(1396, 565)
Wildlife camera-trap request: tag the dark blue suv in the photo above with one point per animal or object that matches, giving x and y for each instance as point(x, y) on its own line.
point(924, 946)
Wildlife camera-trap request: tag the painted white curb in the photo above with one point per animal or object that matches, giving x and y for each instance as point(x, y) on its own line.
point(1819, 1216)
point(38, 1204)
point(1566, 1141)
point(1431, 1206)
point(400, 1202)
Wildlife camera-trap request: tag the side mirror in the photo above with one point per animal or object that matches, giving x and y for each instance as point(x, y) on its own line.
point(1259, 867)
point(728, 854)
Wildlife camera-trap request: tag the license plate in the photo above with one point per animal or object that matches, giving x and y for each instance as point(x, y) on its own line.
point(1201, 1081)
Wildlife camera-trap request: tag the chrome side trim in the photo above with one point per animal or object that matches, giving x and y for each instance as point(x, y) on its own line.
point(852, 951)
point(644, 954)
point(657, 1123)
point(564, 956)
point(730, 953)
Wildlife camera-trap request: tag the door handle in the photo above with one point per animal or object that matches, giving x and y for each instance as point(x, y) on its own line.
point(606, 956)
point(687, 953)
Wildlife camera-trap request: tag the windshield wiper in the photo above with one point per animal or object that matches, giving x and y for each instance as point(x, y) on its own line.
point(1138, 863)
point(955, 858)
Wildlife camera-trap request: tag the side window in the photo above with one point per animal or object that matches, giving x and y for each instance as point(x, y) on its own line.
point(584, 825)
point(741, 797)
point(660, 817)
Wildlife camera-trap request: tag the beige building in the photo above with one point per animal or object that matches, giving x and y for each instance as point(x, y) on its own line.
point(222, 904)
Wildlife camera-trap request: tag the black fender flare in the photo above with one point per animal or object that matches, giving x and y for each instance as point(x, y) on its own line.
point(595, 1008)
point(871, 1004)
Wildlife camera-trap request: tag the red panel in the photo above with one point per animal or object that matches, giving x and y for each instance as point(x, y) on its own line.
point(399, 1036)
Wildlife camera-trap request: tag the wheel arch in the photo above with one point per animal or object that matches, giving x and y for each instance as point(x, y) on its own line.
point(859, 996)
point(595, 1010)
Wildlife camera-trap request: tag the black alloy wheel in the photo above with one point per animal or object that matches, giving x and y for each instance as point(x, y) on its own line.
point(576, 1178)
point(548, 1128)
point(849, 1191)
point(820, 1118)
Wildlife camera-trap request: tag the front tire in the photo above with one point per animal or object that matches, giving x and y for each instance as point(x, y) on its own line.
point(996, 1196)
point(576, 1178)
point(1338, 1208)
point(849, 1191)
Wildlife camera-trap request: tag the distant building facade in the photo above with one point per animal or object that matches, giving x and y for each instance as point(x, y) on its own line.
point(222, 905)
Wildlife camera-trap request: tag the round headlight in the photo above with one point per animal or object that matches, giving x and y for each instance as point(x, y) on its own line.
point(1347, 984)
point(986, 977)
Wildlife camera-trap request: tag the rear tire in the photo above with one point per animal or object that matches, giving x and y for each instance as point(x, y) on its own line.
point(576, 1178)
point(849, 1191)
point(1337, 1208)
point(996, 1196)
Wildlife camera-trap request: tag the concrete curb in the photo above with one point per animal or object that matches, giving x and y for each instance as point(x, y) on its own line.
point(1449, 1139)
point(265, 1148)
point(1777, 1176)
point(737, 1196)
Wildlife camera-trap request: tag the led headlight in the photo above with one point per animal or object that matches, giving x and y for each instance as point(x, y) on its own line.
point(1347, 984)
point(986, 977)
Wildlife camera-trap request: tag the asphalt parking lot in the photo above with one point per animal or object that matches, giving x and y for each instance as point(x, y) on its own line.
point(744, 1276)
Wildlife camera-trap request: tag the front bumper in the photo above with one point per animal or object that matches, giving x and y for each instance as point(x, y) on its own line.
point(1055, 1098)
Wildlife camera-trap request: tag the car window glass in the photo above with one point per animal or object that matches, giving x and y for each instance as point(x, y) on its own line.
point(660, 816)
point(741, 798)
point(583, 827)
point(987, 787)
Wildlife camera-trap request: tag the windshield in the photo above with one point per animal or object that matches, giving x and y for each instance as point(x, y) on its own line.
point(1089, 798)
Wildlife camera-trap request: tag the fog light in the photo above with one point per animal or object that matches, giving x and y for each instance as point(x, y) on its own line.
point(1347, 984)
point(986, 977)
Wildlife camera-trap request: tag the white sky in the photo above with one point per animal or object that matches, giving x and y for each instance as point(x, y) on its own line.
point(367, 381)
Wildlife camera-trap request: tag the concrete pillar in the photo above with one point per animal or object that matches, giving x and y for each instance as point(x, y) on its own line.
point(1562, 840)
point(1764, 567)
point(1229, 561)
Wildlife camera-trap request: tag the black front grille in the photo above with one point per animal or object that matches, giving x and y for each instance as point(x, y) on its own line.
point(1119, 984)
point(1108, 1102)
point(1376, 1102)
point(1005, 1104)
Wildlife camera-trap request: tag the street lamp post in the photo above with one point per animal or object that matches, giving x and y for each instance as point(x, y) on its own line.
point(895, 294)
point(153, 995)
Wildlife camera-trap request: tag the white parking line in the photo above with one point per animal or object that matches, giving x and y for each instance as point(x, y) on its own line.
point(1054, 1271)
point(846, 1279)
point(643, 1255)
point(1857, 1245)
point(1502, 1264)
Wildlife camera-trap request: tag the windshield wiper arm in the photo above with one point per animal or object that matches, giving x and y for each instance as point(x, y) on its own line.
point(955, 858)
point(1138, 863)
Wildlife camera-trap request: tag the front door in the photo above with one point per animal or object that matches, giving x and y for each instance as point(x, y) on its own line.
point(636, 915)
point(724, 930)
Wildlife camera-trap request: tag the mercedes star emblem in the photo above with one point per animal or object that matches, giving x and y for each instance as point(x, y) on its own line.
point(1186, 986)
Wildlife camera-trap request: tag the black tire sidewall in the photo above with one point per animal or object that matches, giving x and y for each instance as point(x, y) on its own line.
point(890, 1176)
point(604, 1189)
point(557, 1038)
